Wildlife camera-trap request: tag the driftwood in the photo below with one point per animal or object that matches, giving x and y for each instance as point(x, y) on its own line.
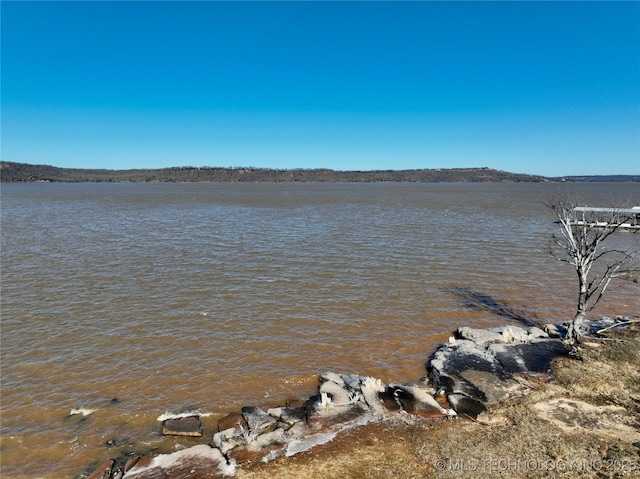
point(600, 331)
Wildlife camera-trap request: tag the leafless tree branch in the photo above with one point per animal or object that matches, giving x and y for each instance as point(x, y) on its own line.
point(579, 243)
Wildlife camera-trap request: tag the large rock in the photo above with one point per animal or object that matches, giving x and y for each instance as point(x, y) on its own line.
point(288, 416)
point(494, 388)
point(233, 420)
point(103, 471)
point(459, 356)
point(254, 426)
point(414, 400)
point(501, 334)
point(337, 394)
point(478, 336)
point(266, 446)
point(332, 377)
point(258, 421)
point(530, 358)
point(229, 439)
point(322, 413)
point(479, 367)
point(466, 406)
point(196, 461)
point(371, 389)
point(183, 426)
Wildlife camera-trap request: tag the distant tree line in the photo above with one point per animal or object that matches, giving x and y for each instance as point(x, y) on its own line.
point(602, 178)
point(21, 172)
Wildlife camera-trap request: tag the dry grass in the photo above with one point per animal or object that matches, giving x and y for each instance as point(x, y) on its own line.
point(512, 440)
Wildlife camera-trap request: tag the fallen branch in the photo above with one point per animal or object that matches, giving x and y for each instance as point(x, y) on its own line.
point(600, 331)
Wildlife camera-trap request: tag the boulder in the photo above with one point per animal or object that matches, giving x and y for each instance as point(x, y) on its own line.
point(416, 400)
point(229, 439)
point(480, 367)
point(555, 330)
point(258, 421)
point(322, 413)
point(277, 436)
point(456, 357)
point(337, 394)
point(183, 426)
point(132, 461)
point(332, 377)
point(478, 336)
point(288, 416)
point(295, 403)
point(466, 406)
point(511, 334)
point(266, 447)
point(196, 461)
point(103, 471)
point(233, 420)
point(493, 388)
point(371, 389)
point(352, 381)
point(501, 334)
point(537, 333)
point(529, 358)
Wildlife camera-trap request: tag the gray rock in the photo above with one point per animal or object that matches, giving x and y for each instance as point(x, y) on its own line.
point(183, 426)
point(265, 447)
point(555, 330)
point(322, 406)
point(232, 420)
point(288, 416)
point(371, 389)
point(197, 461)
point(333, 377)
point(277, 436)
point(478, 336)
point(352, 381)
point(537, 333)
point(229, 439)
point(415, 400)
point(493, 387)
point(531, 358)
point(337, 394)
point(511, 334)
point(466, 406)
point(453, 359)
point(482, 370)
point(258, 421)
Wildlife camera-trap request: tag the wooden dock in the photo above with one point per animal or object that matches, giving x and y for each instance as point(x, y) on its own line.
point(624, 218)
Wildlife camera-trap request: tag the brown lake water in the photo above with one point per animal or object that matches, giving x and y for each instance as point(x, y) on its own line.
point(133, 300)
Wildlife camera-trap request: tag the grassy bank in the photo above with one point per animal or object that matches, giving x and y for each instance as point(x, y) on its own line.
point(584, 423)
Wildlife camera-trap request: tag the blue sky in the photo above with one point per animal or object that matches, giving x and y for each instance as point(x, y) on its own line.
point(548, 88)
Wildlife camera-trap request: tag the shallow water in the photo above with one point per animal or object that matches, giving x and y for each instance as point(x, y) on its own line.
point(134, 300)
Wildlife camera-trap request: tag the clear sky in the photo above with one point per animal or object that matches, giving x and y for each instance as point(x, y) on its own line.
point(546, 88)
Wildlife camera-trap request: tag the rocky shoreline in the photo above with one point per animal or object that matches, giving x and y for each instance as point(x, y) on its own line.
point(473, 369)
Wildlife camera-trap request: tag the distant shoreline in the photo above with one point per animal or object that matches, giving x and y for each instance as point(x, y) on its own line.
point(21, 172)
point(11, 172)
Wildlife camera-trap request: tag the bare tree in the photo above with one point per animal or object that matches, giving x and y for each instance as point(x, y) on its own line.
point(580, 244)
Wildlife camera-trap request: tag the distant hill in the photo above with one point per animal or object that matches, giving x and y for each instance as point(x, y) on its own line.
point(21, 172)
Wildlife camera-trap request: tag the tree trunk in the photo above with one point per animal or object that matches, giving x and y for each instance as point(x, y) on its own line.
point(574, 331)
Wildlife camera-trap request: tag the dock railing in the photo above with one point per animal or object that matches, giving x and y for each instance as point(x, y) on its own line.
point(626, 218)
